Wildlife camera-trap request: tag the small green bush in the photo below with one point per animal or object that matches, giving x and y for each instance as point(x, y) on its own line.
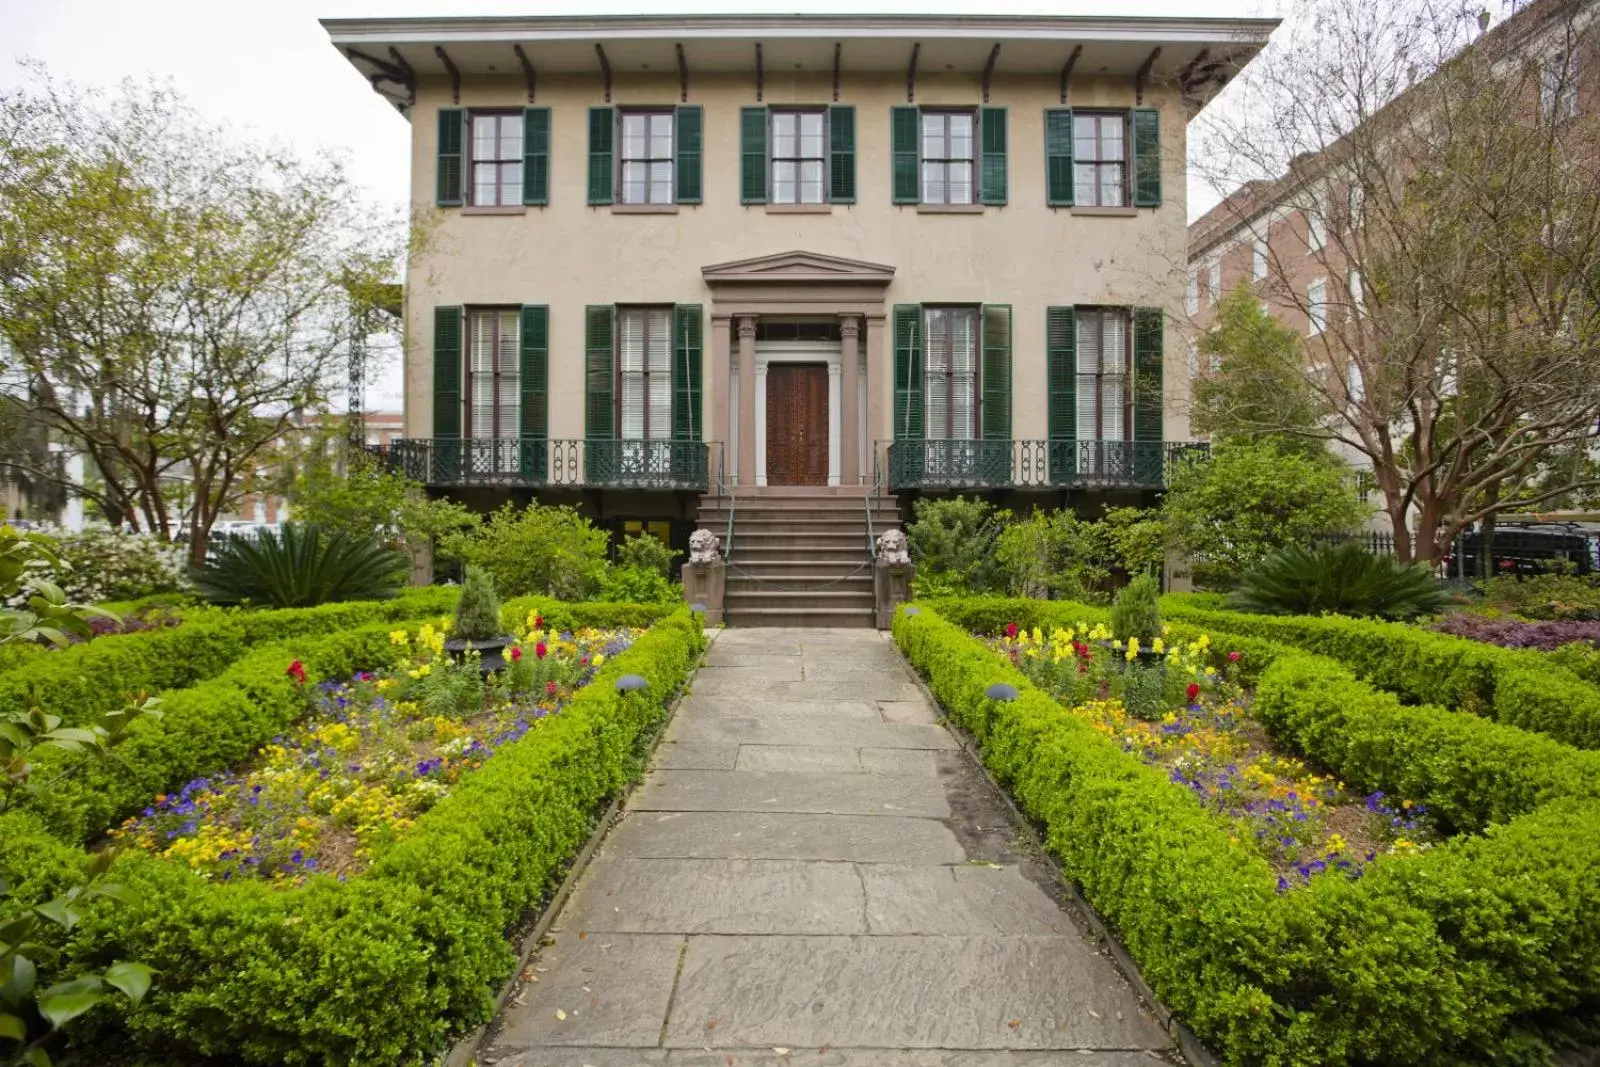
point(1136, 613)
point(477, 609)
point(1545, 596)
point(1343, 579)
point(538, 549)
point(1059, 554)
point(952, 541)
point(300, 567)
point(648, 553)
point(637, 585)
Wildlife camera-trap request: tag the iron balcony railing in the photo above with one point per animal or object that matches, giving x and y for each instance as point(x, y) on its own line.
point(528, 461)
point(1014, 464)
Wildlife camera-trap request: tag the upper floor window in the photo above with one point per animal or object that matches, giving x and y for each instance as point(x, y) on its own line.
point(1100, 158)
point(799, 157)
point(1317, 307)
point(647, 158)
point(947, 154)
point(1105, 371)
point(1316, 223)
point(1258, 260)
point(644, 373)
point(496, 148)
point(951, 381)
point(1216, 280)
point(1192, 297)
point(1558, 86)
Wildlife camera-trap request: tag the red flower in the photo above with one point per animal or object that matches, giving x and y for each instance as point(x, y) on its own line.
point(550, 689)
point(1506, 564)
point(540, 651)
point(538, 622)
point(297, 671)
point(1011, 629)
point(1233, 657)
point(516, 653)
point(1193, 691)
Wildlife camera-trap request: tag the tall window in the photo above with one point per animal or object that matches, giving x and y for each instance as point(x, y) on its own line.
point(496, 160)
point(646, 157)
point(1100, 159)
point(1216, 280)
point(1558, 86)
point(1258, 260)
point(951, 383)
point(1317, 307)
point(1192, 297)
point(1316, 213)
point(947, 145)
point(494, 383)
point(1104, 371)
point(644, 372)
point(799, 157)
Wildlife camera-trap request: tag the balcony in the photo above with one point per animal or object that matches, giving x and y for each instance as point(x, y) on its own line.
point(978, 465)
point(527, 462)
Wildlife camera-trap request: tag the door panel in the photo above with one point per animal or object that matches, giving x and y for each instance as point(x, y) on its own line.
point(797, 424)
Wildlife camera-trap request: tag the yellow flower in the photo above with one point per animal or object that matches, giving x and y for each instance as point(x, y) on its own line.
point(1038, 636)
point(1133, 649)
point(599, 658)
point(1158, 645)
point(399, 637)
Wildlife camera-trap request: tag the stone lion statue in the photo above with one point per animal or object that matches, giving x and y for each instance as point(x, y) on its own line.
point(892, 547)
point(704, 547)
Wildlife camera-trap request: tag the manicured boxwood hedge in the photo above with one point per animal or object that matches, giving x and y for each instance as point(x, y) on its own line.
point(380, 969)
point(1451, 955)
point(1517, 686)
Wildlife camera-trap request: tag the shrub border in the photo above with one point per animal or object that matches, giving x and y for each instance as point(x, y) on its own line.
point(1424, 958)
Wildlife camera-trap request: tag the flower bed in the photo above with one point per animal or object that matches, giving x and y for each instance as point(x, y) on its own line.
point(1517, 633)
point(1456, 953)
point(383, 967)
point(375, 752)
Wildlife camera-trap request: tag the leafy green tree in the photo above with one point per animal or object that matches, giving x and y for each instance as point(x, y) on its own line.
point(952, 541)
point(1060, 554)
point(1250, 499)
point(535, 549)
point(367, 501)
point(1253, 383)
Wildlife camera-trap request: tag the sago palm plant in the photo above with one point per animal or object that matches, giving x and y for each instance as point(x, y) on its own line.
point(1344, 579)
point(300, 567)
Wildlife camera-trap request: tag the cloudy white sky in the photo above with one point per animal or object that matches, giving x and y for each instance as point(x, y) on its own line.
point(266, 66)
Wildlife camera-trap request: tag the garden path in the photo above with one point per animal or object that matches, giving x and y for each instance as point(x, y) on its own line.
point(814, 873)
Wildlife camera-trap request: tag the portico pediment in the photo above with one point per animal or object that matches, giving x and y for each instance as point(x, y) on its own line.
point(792, 268)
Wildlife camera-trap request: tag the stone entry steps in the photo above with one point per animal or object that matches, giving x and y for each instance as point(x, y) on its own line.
point(814, 875)
point(799, 554)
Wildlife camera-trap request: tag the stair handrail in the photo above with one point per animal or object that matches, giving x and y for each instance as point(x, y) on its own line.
point(869, 501)
point(724, 488)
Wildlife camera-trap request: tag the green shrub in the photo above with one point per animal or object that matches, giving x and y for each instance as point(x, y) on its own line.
point(952, 541)
point(1544, 596)
point(300, 567)
point(1057, 553)
point(384, 968)
point(647, 552)
point(538, 549)
point(1136, 612)
point(637, 585)
point(1344, 579)
point(477, 609)
point(105, 564)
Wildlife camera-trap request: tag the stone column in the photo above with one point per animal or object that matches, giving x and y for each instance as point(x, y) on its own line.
point(747, 399)
point(718, 420)
point(849, 404)
point(880, 372)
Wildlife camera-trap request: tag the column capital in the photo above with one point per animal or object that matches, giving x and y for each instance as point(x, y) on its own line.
point(747, 326)
point(849, 327)
point(835, 370)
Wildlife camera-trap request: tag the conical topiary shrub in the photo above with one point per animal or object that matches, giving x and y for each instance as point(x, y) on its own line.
point(477, 625)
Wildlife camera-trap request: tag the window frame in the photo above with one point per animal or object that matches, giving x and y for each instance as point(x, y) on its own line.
point(1191, 296)
point(619, 184)
point(1124, 116)
point(1100, 376)
point(975, 311)
point(773, 159)
point(469, 375)
point(1260, 259)
point(1214, 279)
point(470, 193)
point(1559, 100)
point(1316, 310)
point(973, 161)
point(620, 373)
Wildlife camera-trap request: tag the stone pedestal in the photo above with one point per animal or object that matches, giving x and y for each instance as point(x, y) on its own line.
point(1179, 572)
point(704, 583)
point(891, 586)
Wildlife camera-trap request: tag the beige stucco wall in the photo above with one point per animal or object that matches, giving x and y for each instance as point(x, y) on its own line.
point(568, 255)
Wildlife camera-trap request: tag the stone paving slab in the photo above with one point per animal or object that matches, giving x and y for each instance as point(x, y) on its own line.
point(701, 896)
point(861, 710)
point(786, 669)
point(612, 990)
point(829, 1056)
point(900, 762)
point(672, 755)
point(799, 759)
point(908, 712)
point(704, 728)
point(972, 899)
point(754, 835)
point(904, 992)
point(852, 794)
point(862, 686)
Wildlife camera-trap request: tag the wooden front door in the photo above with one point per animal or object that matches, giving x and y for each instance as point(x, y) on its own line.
point(797, 424)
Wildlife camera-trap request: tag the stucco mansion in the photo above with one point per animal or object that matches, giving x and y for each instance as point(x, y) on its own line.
point(672, 267)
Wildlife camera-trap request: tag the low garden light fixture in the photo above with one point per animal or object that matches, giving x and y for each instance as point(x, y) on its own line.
point(700, 608)
point(913, 611)
point(628, 683)
point(1001, 691)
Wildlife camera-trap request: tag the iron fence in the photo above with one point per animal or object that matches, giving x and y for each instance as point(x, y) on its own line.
point(1035, 464)
point(527, 461)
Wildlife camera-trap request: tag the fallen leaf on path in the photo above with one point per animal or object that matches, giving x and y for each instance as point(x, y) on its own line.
point(780, 1051)
point(1014, 1023)
point(561, 1015)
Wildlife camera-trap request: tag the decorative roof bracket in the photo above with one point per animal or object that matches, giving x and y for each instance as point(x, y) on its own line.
point(1066, 71)
point(1141, 79)
point(911, 74)
point(683, 74)
point(605, 68)
point(455, 75)
point(988, 69)
point(761, 74)
point(838, 50)
point(528, 74)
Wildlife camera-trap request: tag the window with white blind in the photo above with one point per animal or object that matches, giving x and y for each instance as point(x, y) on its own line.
point(494, 382)
point(644, 373)
point(947, 152)
point(1258, 260)
point(647, 157)
point(1317, 307)
point(496, 159)
point(1558, 86)
point(950, 386)
point(1192, 297)
point(1105, 359)
point(1100, 159)
point(799, 157)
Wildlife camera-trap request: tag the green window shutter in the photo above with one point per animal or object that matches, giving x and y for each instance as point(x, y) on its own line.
point(1146, 157)
point(1061, 388)
point(535, 391)
point(752, 155)
point(1148, 348)
point(599, 325)
point(904, 139)
point(451, 188)
point(535, 155)
point(996, 372)
point(447, 372)
point(687, 373)
point(688, 138)
point(1058, 180)
point(842, 154)
point(602, 134)
point(908, 372)
point(992, 132)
